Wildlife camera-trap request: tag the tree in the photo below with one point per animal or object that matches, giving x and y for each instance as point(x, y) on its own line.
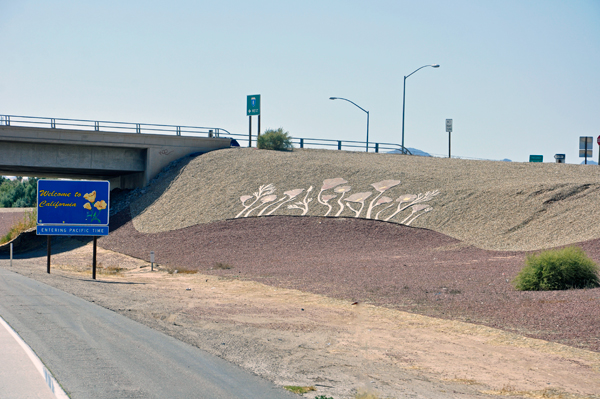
point(18, 193)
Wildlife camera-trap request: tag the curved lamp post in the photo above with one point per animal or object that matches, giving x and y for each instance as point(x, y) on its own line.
point(345, 99)
point(404, 99)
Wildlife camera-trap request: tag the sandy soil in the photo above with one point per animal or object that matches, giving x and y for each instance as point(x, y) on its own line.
point(297, 338)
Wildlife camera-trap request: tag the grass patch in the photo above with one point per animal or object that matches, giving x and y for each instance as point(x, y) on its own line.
point(26, 223)
point(110, 270)
point(547, 393)
point(299, 390)
point(557, 269)
point(366, 395)
point(222, 266)
point(181, 270)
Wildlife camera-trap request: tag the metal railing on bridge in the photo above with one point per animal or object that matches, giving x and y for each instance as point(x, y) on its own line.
point(179, 130)
point(107, 126)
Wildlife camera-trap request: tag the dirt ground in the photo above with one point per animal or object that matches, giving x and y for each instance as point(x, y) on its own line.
point(296, 338)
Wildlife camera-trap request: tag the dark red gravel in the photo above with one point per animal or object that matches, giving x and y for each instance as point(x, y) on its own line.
point(386, 264)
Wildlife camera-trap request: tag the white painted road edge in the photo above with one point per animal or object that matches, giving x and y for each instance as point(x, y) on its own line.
point(50, 380)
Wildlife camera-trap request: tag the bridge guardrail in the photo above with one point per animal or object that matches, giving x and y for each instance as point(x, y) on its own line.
point(148, 128)
point(107, 126)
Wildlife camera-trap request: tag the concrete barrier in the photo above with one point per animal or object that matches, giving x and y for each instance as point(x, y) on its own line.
point(128, 160)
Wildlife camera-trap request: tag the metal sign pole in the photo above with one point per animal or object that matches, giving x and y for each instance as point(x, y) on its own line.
point(585, 151)
point(49, 251)
point(249, 130)
point(94, 259)
point(449, 130)
point(598, 141)
point(258, 134)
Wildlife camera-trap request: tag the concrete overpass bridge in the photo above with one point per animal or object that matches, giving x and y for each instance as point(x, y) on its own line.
point(129, 155)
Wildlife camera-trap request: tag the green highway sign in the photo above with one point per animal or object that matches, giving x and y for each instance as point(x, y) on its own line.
point(253, 105)
point(536, 158)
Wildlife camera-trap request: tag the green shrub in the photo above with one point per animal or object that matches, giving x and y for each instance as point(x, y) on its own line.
point(274, 140)
point(298, 389)
point(558, 269)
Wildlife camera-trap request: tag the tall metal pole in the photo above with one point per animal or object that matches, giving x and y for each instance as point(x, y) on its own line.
point(403, 105)
point(358, 106)
point(367, 131)
point(404, 99)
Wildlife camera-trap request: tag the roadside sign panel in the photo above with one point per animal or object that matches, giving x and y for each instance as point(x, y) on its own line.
point(449, 125)
point(253, 105)
point(585, 146)
point(536, 158)
point(73, 207)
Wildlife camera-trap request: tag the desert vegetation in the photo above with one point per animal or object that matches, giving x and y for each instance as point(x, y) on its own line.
point(558, 269)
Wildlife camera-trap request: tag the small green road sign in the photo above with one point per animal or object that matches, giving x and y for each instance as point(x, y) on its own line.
point(253, 105)
point(536, 158)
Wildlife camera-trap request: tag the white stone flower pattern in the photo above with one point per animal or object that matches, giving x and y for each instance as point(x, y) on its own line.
point(404, 210)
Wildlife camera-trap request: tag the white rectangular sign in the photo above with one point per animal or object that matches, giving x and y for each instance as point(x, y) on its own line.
point(449, 125)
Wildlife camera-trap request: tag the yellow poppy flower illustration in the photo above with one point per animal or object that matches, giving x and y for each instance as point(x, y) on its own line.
point(90, 197)
point(100, 206)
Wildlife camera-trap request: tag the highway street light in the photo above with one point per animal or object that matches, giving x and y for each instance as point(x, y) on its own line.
point(404, 99)
point(339, 98)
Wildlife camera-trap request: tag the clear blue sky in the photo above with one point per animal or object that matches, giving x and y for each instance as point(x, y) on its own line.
point(517, 77)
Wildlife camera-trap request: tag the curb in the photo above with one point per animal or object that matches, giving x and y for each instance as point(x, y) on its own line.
point(44, 372)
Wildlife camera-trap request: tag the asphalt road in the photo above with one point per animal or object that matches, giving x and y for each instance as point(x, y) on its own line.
point(96, 353)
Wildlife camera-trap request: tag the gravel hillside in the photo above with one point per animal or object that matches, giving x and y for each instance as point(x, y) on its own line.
point(487, 204)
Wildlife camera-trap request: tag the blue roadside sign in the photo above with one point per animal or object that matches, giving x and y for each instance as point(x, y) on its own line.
point(73, 207)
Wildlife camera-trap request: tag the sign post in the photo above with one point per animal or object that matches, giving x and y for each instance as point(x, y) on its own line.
point(252, 108)
point(73, 208)
point(449, 130)
point(598, 141)
point(585, 147)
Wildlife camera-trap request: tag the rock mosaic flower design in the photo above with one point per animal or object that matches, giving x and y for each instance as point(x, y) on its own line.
point(100, 206)
point(358, 198)
point(380, 207)
point(328, 184)
point(290, 194)
point(262, 192)
point(303, 205)
point(382, 186)
point(412, 199)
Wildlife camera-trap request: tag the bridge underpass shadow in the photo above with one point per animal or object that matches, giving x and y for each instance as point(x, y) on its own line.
point(30, 245)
